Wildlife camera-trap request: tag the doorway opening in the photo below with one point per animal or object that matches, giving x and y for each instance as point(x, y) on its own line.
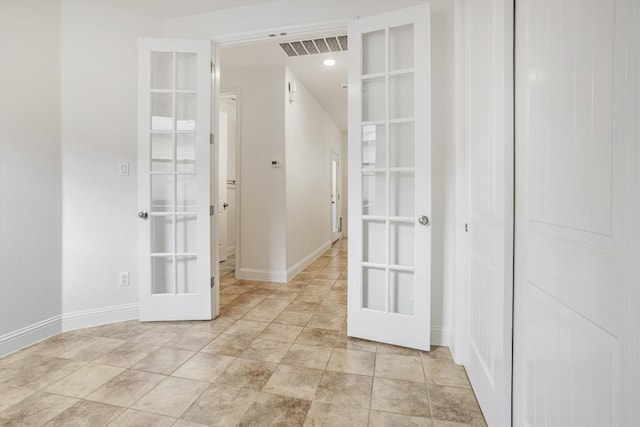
point(227, 182)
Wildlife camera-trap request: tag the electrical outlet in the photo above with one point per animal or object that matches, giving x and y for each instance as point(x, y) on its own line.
point(124, 278)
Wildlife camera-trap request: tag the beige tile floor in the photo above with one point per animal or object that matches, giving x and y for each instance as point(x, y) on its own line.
point(277, 355)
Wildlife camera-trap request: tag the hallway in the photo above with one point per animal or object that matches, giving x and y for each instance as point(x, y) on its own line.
point(277, 355)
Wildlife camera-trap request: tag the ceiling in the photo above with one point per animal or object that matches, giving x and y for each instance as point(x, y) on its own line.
point(323, 82)
point(177, 8)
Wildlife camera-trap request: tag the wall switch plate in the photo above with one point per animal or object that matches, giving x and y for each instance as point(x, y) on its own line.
point(276, 163)
point(124, 278)
point(124, 169)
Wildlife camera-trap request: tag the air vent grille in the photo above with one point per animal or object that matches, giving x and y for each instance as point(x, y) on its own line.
point(312, 47)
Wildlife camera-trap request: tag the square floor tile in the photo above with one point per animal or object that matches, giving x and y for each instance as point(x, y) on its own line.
point(134, 418)
point(126, 355)
point(250, 374)
point(326, 414)
point(86, 413)
point(247, 327)
point(10, 395)
point(273, 410)
point(294, 382)
point(398, 367)
point(444, 371)
point(455, 404)
point(352, 362)
point(220, 406)
point(85, 380)
point(164, 360)
point(345, 389)
point(400, 397)
point(319, 337)
point(204, 367)
point(277, 332)
point(384, 419)
point(36, 409)
point(126, 388)
point(266, 350)
point(229, 345)
point(308, 356)
point(171, 397)
point(295, 318)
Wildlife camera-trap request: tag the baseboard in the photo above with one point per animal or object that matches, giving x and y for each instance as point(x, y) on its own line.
point(304, 263)
point(29, 335)
point(440, 337)
point(99, 316)
point(261, 275)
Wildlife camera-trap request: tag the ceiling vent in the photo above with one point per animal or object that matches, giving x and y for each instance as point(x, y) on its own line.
point(312, 47)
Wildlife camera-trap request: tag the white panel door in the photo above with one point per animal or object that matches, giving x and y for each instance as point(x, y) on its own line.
point(390, 178)
point(486, 101)
point(174, 179)
point(574, 86)
point(335, 196)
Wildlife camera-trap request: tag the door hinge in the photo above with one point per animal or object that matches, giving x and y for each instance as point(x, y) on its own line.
point(211, 138)
point(213, 281)
point(211, 210)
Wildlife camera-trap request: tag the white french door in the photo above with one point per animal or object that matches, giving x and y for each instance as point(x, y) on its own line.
point(390, 178)
point(174, 179)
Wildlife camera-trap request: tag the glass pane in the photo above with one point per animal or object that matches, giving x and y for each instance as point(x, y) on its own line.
point(374, 150)
point(373, 288)
point(161, 111)
point(187, 271)
point(401, 197)
point(401, 47)
point(401, 244)
point(401, 102)
point(374, 193)
point(162, 152)
point(162, 70)
point(161, 234)
point(374, 238)
point(186, 234)
point(162, 275)
point(186, 111)
point(186, 71)
point(401, 287)
point(186, 153)
point(401, 145)
point(373, 52)
point(373, 100)
point(186, 193)
point(161, 193)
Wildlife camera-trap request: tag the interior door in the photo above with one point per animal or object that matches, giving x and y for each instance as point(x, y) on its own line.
point(487, 159)
point(574, 89)
point(335, 196)
point(389, 178)
point(174, 178)
point(223, 204)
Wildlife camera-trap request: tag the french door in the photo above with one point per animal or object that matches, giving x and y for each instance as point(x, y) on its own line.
point(389, 178)
point(174, 179)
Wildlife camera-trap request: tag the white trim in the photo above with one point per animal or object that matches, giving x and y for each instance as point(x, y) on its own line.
point(440, 336)
point(261, 275)
point(292, 32)
point(24, 337)
point(99, 316)
point(306, 261)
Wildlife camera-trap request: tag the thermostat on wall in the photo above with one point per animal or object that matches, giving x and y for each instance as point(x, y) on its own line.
point(276, 163)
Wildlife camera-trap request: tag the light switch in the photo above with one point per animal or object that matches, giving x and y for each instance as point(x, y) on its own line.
point(124, 169)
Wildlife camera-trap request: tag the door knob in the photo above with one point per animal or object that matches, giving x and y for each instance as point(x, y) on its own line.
point(424, 220)
point(225, 205)
point(143, 214)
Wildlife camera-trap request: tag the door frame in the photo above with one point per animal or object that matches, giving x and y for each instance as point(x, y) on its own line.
point(237, 93)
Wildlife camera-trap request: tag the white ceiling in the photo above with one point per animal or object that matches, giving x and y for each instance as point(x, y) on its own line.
point(177, 8)
point(323, 82)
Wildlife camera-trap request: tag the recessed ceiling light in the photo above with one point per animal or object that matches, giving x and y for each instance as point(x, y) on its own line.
point(329, 62)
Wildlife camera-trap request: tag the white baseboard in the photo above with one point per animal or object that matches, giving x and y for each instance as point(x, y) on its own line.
point(261, 275)
point(440, 336)
point(99, 316)
point(29, 335)
point(304, 263)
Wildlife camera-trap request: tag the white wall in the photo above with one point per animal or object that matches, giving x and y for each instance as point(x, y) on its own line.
point(443, 167)
point(30, 172)
point(98, 85)
point(310, 136)
point(263, 234)
point(260, 18)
